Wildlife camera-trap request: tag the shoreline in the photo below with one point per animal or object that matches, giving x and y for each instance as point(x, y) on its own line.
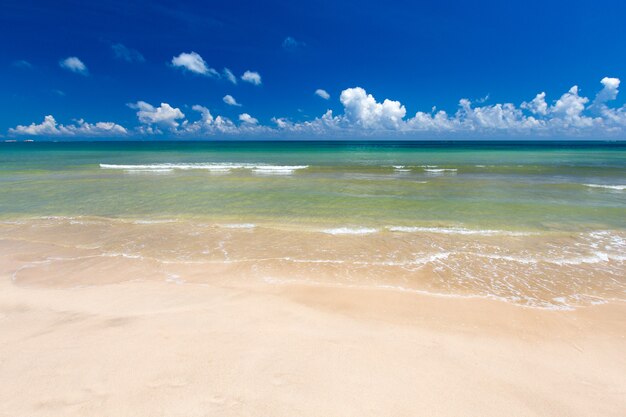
point(126, 319)
point(545, 270)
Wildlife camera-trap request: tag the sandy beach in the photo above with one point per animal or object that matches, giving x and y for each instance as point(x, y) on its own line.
point(121, 342)
point(312, 209)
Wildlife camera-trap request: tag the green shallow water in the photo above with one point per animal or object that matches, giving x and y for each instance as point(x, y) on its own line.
point(483, 185)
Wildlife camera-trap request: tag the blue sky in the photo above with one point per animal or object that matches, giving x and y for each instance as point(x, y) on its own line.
point(116, 62)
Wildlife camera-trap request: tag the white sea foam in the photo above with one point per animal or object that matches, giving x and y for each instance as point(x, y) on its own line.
point(401, 168)
point(211, 167)
point(174, 279)
point(610, 187)
point(440, 170)
point(239, 226)
point(351, 231)
point(596, 257)
point(453, 231)
point(154, 221)
point(150, 171)
point(277, 169)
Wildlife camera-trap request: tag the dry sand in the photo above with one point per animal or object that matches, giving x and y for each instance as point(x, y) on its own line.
point(164, 349)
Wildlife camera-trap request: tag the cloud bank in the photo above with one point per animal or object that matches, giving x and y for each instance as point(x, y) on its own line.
point(50, 127)
point(570, 115)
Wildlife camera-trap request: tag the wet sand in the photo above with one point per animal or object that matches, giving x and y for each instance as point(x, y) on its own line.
point(109, 335)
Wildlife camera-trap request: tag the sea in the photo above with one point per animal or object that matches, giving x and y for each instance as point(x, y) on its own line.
point(537, 223)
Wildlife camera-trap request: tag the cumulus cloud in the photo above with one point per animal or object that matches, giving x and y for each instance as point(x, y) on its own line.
point(569, 115)
point(246, 118)
point(363, 110)
point(74, 64)
point(322, 93)
point(228, 74)
point(230, 100)
point(125, 53)
point(537, 105)
point(204, 112)
point(164, 116)
point(610, 89)
point(50, 127)
point(210, 125)
point(193, 62)
point(569, 108)
point(251, 77)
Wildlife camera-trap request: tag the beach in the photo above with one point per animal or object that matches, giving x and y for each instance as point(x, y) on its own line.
point(347, 280)
point(150, 347)
point(87, 332)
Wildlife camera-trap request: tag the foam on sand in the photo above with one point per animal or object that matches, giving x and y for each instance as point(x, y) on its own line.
point(350, 231)
point(238, 226)
point(453, 231)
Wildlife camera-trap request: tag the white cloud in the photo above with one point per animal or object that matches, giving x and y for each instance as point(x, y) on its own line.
point(322, 93)
point(50, 127)
point(206, 116)
point(570, 115)
point(228, 74)
point(193, 62)
point(537, 105)
point(74, 64)
point(609, 91)
point(230, 100)
point(252, 77)
point(219, 125)
point(163, 116)
point(127, 54)
point(362, 109)
point(569, 109)
point(246, 118)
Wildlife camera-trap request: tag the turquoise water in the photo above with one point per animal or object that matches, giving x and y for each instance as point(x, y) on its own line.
point(485, 185)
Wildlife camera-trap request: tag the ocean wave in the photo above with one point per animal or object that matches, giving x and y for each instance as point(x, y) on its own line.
point(212, 167)
point(610, 187)
point(440, 170)
point(401, 168)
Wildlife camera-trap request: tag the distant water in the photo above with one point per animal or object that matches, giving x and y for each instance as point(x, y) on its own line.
point(513, 186)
